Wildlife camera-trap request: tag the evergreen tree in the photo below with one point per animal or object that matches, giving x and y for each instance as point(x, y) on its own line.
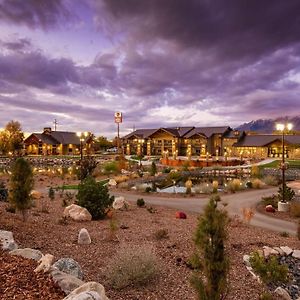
point(153, 169)
point(21, 184)
point(209, 240)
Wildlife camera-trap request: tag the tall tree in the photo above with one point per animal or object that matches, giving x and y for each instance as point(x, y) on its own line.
point(209, 240)
point(21, 185)
point(102, 143)
point(11, 138)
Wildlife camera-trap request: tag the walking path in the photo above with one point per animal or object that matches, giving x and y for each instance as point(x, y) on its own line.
point(235, 204)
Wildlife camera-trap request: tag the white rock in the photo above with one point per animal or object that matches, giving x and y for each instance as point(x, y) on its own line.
point(84, 237)
point(287, 250)
point(283, 293)
point(279, 250)
point(86, 296)
point(269, 251)
point(45, 263)
point(66, 282)
point(69, 266)
point(27, 253)
point(119, 203)
point(77, 213)
point(7, 240)
point(112, 182)
point(296, 254)
point(246, 259)
point(88, 287)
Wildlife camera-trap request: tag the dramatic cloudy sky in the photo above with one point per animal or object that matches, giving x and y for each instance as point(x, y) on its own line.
point(160, 62)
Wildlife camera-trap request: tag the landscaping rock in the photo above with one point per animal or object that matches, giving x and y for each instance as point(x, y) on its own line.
point(84, 237)
point(287, 250)
point(7, 240)
point(279, 250)
point(35, 194)
point(45, 263)
point(27, 253)
point(77, 213)
point(65, 281)
point(86, 296)
point(119, 203)
point(283, 293)
point(112, 182)
point(296, 254)
point(88, 287)
point(180, 215)
point(270, 208)
point(246, 259)
point(269, 251)
point(69, 266)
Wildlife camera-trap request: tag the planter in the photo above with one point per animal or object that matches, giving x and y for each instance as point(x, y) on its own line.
point(283, 206)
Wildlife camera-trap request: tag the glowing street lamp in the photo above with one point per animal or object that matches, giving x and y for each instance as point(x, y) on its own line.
point(82, 136)
point(283, 128)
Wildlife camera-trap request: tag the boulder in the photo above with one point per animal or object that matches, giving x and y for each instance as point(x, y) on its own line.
point(287, 250)
point(284, 295)
point(65, 281)
point(27, 253)
point(270, 208)
point(88, 287)
point(77, 213)
point(112, 182)
point(279, 250)
point(86, 296)
point(84, 237)
point(269, 251)
point(119, 203)
point(296, 254)
point(180, 215)
point(45, 263)
point(69, 266)
point(7, 240)
point(35, 194)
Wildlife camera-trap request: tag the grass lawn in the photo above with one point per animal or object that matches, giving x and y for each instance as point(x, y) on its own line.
point(75, 186)
point(293, 163)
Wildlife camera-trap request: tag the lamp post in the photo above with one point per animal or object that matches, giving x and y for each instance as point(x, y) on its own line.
point(283, 127)
point(82, 136)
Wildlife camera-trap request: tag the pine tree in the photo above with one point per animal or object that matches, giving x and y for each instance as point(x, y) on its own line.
point(153, 169)
point(21, 184)
point(209, 240)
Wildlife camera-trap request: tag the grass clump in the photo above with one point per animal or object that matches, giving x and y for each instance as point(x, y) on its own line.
point(270, 180)
point(256, 183)
point(140, 202)
point(234, 185)
point(269, 270)
point(132, 266)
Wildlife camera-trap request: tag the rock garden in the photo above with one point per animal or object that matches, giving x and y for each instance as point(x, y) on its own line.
point(67, 249)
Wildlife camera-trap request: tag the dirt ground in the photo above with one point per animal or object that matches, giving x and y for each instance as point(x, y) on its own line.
point(43, 231)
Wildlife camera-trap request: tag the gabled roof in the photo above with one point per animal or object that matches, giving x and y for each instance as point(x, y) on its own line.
point(44, 138)
point(262, 140)
point(207, 131)
point(140, 133)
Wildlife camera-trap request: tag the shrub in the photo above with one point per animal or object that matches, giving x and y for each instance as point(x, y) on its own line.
point(295, 209)
point(134, 265)
point(161, 234)
point(209, 240)
point(87, 166)
point(256, 183)
point(289, 193)
point(249, 185)
point(166, 170)
point(270, 180)
point(148, 189)
point(188, 185)
point(270, 270)
point(174, 176)
point(123, 185)
point(140, 202)
point(94, 197)
point(234, 185)
point(215, 186)
point(284, 234)
point(21, 184)
point(151, 210)
point(51, 193)
point(111, 167)
point(255, 171)
point(270, 200)
point(266, 296)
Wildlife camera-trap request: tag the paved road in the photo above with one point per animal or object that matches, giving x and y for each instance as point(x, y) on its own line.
point(235, 202)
